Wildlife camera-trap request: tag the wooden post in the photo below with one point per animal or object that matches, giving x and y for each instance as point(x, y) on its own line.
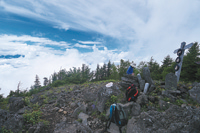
point(179, 59)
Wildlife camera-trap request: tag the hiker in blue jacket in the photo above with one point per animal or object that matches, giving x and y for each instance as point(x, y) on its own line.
point(131, 69)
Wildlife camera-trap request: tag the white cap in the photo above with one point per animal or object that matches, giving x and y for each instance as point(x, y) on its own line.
point(133, 65)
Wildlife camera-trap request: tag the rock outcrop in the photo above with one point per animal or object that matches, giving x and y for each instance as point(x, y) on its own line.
point(195, 93)
point(85, 108)
point(171, 81)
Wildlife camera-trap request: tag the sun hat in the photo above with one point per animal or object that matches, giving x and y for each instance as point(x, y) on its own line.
point(133, 65)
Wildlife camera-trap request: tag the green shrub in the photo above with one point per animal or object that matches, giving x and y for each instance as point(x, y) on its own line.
point(58, 83)
point(4, 130)
point(32, 117)
point(79, 120)
point(4, 104)
point(179, 102)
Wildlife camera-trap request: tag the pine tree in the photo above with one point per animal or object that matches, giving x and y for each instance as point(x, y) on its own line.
point(189, 72)
point(154, 69)
point(37, 82)
point(104, 72)
point(109, 69)
point(97, 73)
point(123, 67)
point(114, 72)
point(166, 62)
point(54, 77)
point(46, 81)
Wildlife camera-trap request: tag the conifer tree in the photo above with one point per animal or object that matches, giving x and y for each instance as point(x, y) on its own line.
point(123, 67)
point(166, 62)
point(97, 73)
point(37, 82)
point(109, 69)
point(154, 69)
point(54, 77)
point(189, 72)
point(46, 81)
point(114, 72)
point(104, 72)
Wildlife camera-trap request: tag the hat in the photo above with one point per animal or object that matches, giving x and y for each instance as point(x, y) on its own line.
point(133, 65)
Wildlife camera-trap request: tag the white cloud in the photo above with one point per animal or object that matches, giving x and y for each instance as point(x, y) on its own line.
point(89, 42)
point(145, 28)
point(82, 46)
point(43, 61)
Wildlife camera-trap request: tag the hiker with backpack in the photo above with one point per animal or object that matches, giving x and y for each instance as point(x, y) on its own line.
point(130, 70)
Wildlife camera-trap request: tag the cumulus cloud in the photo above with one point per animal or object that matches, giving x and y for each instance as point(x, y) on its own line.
point(42, 60)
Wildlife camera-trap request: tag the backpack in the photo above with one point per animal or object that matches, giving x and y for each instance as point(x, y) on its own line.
point(131, 93)
point(117, 116)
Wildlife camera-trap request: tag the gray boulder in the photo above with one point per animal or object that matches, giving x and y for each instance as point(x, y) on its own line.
point(127, 107)
point(128, 80)
point(114, 128)
point(174, 119)
point(36, 99)
point(136, 109)
point(167, 94)
point(82, 108)
point(16, 103)
point(195, 93)
point(76, 127)
point(142, 84)
point(83, 117)
point(89, 97)
point(13, 122)
point(104, 94)
point(151, 88)
point(171, 81)
point(147, 76)
point(163, 105)
point(38, 128)
point(142, 99)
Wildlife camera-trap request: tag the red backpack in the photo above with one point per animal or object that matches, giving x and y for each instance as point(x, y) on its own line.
point(131, 93)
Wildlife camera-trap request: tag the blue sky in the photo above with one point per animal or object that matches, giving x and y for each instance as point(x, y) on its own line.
point(40, 36)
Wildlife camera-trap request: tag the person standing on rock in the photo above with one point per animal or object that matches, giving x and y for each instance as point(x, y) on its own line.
point(131, 69)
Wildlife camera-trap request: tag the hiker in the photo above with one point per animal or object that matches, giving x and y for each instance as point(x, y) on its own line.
point(131, 69)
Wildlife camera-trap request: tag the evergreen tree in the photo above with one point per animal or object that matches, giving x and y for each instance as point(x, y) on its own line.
point(123, 67)
point(104, 72)
point(46, 81)
point(109, 69)
point(85, 73)
point(189, 72)
point(54, 77)
point(154, 69)
point(61, 74)
point(114, 72)
point(37, 82)
point(167, 62)
point(97, 73)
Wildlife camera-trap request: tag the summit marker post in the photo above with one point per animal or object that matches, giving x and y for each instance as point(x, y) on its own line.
point(179, 59)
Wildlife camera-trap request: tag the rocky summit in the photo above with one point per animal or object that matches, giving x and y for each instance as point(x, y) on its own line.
point(84, 108)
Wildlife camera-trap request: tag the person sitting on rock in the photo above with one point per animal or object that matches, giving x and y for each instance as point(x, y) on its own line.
point(131, 69)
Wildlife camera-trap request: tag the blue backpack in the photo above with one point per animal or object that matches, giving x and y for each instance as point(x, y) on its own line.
point(117, 116)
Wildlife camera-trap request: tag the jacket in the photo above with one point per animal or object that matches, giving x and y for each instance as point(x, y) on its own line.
point(130, 70)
